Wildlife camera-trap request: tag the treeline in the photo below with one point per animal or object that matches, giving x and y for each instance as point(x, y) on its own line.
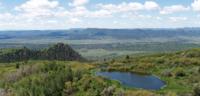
point(59, 51)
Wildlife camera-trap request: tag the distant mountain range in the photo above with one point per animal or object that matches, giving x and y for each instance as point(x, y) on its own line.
point(93, 33)
point(94, 42)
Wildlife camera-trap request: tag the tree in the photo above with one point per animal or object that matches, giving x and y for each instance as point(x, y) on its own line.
point(17, 65)
point(127, 57)
point(104, 60)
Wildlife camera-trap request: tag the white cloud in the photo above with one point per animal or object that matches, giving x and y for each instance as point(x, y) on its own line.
point(196, 5)
point(38, 9)
point(158, 18)
point(131, 6)
point(50, 14)
point(150, 5)
point(6, 16)
point(115, 22)
point(37, 5)
point(100, 14)
point(136, 16)
point(79, 2)
point(79, 11)
point(174, 9)
point(34, 14)
point(51, 10)
point(123, 7)
point(83, 12)
point(74, 21)
point(178, 19)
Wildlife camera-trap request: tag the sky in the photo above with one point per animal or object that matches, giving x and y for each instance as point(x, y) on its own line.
point(66, 14)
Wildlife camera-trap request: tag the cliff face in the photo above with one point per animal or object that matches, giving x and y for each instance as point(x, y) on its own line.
point(59, 51)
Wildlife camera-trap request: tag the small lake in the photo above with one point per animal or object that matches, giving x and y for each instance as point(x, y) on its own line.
point(134, 80)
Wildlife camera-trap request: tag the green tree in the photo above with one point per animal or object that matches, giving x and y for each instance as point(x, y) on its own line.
point(127, 57)
point(17, 65)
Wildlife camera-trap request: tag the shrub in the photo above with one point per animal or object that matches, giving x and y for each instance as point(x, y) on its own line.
point(108, 91)
point(179, 72)
point(112, 61)
point(69, 89)
point(167, 73)
point(17, 65)
point(170, 94)
point(78, 74)
point(140, 93)
point(197, 90)
point(20, 73)
point(50, 81)
point(199, 70)
point(91, 86)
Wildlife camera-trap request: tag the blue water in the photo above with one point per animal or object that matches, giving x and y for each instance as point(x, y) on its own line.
point(134, 80)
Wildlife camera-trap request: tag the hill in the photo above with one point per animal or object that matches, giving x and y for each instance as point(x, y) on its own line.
point(59, 51)
point(94, 33)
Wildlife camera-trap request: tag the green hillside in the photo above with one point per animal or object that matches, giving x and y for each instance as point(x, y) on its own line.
point(59, 51)
point(55, 77)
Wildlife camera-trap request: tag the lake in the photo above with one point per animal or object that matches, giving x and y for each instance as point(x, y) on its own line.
point(134, 80)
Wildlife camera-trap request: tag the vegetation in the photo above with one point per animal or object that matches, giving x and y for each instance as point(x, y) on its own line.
point(54, 74)
point(59, 51)
point(180, 70)
point(57, 78)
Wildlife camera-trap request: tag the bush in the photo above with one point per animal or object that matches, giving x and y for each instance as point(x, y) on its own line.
point(23, 71)
point(108, 91)
point(179, 72)
point(78, 74)
point(17, 65)
point(70, 88)
point(197, 90)
point(91, 86)
point(140, 93)
point(167, 73)
point(50, 81)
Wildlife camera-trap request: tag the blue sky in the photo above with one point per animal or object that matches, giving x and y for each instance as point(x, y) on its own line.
point(65, 14)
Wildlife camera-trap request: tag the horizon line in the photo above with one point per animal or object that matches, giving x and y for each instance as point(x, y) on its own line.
point(97, 28)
